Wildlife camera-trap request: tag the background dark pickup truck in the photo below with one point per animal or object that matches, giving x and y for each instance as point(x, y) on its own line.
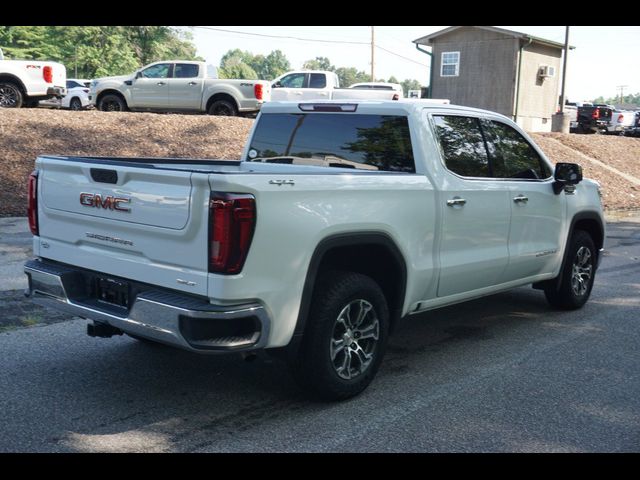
point(594, 119)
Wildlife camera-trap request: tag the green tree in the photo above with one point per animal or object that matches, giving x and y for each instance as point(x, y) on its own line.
point(96, 51)
point(234, 67)
point(410, 85)
point(319, 63)
point(350, 75)
point(153, 43)
point(242, 62)
point(26, 43)
point(275, 64)
point(393, 79)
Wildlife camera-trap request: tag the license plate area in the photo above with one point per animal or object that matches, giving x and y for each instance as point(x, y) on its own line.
point(112, 292)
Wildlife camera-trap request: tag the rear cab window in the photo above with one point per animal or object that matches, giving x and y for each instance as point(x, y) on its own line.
point(358, 141)
point(186, 70)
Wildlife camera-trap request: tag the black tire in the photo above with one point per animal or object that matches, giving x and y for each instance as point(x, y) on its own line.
point(578, 274)
point(326, 366)
point(112, 103)
point(75, 104)
point(10, 95)
point(223, 108)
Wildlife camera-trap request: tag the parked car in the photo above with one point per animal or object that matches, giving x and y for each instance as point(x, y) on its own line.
point(23, 83)
point(395, 87)
point(340, 219)
point(634, 130)
point(77, 97)
point(181, 86)
point(621, 122)
point(323, 85)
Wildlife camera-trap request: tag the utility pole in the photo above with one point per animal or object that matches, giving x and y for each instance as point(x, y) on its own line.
point(560, 122)
point(373, 47)
point(564, 68)
point(621, 88)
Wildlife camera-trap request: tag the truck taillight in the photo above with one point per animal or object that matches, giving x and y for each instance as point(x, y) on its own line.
point(258, 90)
point(620, 118)
point(396, 97)
point(47, 74)
point(232, 218)
point(32, 208)
point(596, 113)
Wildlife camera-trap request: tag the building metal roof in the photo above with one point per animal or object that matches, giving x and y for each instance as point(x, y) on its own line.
point(428, 39)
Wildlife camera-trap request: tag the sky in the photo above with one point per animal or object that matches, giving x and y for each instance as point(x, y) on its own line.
point(604, 57)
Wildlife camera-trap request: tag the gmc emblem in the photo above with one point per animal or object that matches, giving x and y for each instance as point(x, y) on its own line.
point(108, 203)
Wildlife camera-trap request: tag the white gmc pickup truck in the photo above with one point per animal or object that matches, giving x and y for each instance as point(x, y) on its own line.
point(178, 86)
point(339, 220)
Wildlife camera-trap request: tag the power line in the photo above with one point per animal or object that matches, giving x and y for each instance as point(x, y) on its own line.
point(401, 56)
point(310, 40)
point(283, 36)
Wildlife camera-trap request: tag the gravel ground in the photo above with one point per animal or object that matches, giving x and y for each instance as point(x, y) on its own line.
point(27, 133)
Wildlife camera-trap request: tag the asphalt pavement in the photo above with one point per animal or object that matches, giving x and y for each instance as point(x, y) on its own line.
point(503, 373)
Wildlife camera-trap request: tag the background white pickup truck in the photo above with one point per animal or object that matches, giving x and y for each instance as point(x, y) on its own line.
point(26, 82)
point(341, 219)
point(323, 85)
point(178, 85)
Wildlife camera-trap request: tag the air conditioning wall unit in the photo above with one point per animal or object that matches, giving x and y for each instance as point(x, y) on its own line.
point(546, 71)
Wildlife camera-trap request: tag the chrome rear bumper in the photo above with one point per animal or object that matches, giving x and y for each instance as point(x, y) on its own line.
point(161, 315)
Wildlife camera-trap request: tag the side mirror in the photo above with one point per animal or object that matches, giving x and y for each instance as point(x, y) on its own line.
point(276, 85)
point(138, 74)
point(566, 174)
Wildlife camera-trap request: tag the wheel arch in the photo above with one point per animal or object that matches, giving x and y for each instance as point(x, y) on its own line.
point(371, 253)
point(221, 96)
point(8, 77)
point(589, 221)
point(111, 91)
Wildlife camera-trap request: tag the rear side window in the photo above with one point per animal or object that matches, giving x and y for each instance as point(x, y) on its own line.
point(512, 156)
point(317, 80)
point(368, 142)
point(186, 70)
point(462, 145)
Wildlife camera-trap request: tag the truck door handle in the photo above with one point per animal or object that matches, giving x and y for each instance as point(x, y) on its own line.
point(521, 199)
point(298, 93)
point(193, 83)
point(161, 83)
point(456, 201)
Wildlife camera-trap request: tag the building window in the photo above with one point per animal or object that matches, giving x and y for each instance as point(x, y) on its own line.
point(450, 65)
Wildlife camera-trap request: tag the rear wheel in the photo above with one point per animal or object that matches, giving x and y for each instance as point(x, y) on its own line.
point(223, 108)
point(577, 276)
point(112, 103)
point(10, 95)
point(75, 104)
point(345, 337)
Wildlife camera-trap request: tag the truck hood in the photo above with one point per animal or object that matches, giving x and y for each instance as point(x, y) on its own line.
point(117, 79)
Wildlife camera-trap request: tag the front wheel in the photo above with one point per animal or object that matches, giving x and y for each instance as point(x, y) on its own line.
point(112, 103)
point(345, 337)
point(577, 276)
point(10, 95)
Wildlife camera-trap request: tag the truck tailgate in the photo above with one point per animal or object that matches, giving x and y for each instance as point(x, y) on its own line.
point(143, 223)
